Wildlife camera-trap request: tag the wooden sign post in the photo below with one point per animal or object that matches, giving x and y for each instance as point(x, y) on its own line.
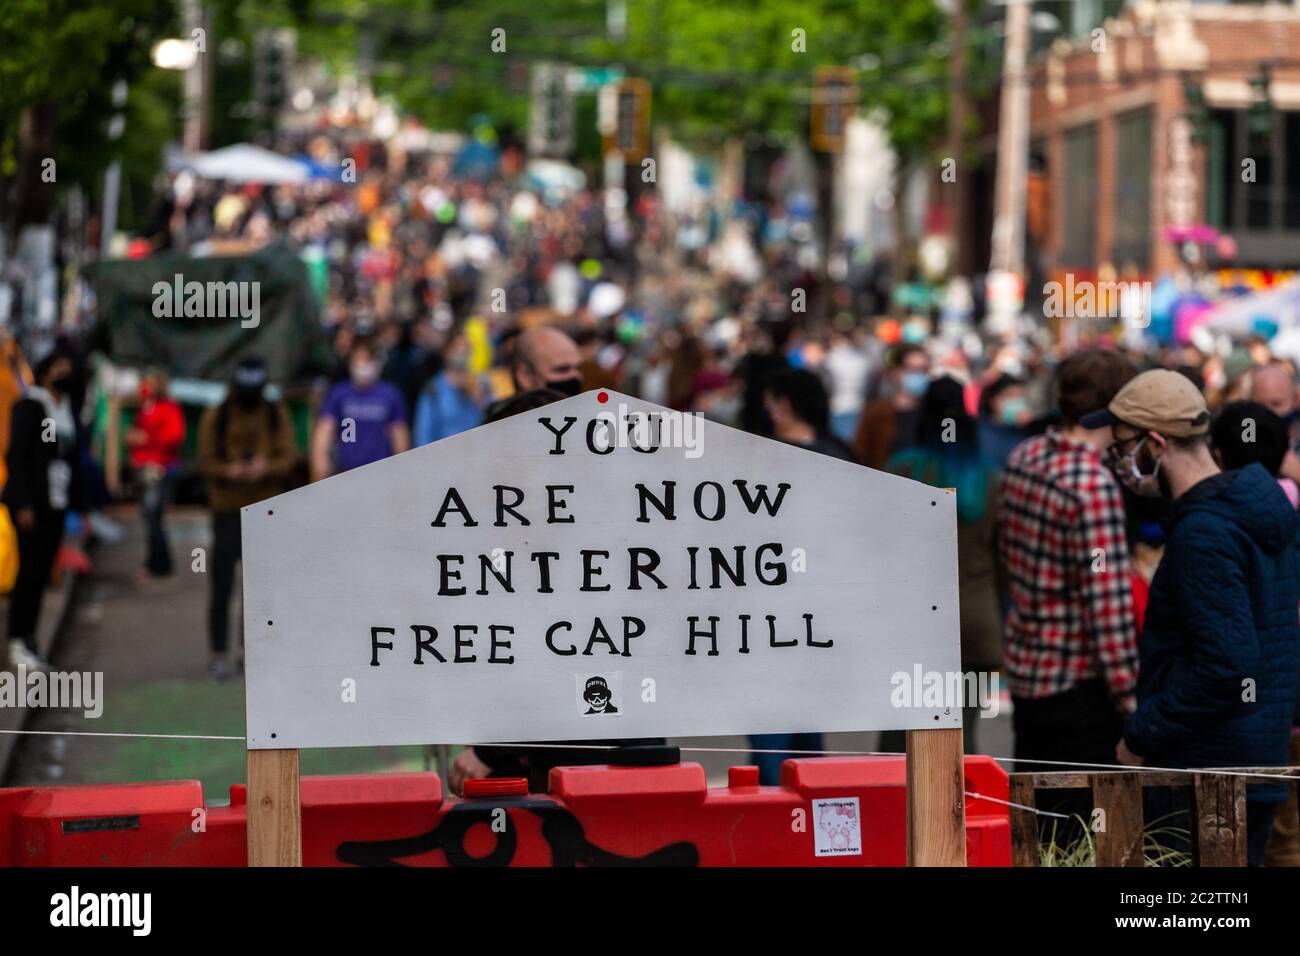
point(936, 798)
point(601, 568)
point(274, 809)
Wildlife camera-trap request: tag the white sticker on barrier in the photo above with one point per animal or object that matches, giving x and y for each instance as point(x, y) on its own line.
point(837, 827)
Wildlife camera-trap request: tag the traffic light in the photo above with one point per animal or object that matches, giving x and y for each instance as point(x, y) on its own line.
point(631, 134)
point(834, 100)
point(550, 131)
point(272, 60)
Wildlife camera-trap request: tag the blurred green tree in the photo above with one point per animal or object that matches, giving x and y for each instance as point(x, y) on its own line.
point(60, 61)
point(718, 70)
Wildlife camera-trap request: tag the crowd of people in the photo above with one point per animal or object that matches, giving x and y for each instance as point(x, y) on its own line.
point(1126, 519)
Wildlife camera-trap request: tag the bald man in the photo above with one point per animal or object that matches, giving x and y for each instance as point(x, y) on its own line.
point(546, 358)
point(1273, 386)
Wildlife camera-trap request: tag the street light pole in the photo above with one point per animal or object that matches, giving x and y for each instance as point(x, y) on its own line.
point(113, 175)
point(1013, 146)
point(194, 137)
point(958, 109)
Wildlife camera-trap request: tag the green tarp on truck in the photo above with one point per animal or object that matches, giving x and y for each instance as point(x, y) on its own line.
point(197, 317)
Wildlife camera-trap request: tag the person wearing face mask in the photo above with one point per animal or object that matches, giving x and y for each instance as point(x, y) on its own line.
point(799, 407)
point(362, 420)
point(1004, 417)
point(848, 369)
point(545, 357)
point(1220, 653)
point(1070, 633)
point(155, 441)
point(542, 357)
point(246, 453)
point(453, 400)
point(43, 483)
point(888, 425)
point(1274, 387)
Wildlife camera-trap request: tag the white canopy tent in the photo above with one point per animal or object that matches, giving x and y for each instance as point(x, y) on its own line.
point(245, 163)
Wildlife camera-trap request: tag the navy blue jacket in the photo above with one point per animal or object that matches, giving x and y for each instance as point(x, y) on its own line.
point(1222, 610)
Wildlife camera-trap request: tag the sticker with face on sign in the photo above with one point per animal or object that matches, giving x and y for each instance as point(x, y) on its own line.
point(599, 695)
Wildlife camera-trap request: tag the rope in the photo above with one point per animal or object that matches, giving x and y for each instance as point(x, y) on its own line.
point(1018, 806)
point(1282, 774)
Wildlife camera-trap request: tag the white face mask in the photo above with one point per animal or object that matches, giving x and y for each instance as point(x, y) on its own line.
point(365, 373)
point(1147, 486)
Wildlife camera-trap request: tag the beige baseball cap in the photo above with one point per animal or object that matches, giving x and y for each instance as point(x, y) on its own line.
point(1161, 401)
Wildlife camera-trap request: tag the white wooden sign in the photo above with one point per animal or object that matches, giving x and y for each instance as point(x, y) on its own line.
point(558, 576)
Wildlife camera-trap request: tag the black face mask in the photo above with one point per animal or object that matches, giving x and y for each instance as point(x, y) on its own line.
point(567, 386)
point(247, 396)
point(61, 384)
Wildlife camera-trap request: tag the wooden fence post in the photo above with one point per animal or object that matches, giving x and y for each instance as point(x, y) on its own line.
point(274, 809)
point(1024, 823)
point(1119, 796)
point(936, 798)
point(1218, 819)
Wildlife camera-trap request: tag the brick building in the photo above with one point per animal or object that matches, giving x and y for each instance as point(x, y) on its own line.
point(1169, 115)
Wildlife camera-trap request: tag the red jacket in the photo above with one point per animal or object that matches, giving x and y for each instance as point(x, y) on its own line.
point(163, 424)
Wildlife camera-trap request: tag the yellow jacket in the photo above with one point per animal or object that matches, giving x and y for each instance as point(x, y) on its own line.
point(15, 379)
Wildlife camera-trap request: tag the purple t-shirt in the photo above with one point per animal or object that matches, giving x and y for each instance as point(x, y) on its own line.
point(363, 415)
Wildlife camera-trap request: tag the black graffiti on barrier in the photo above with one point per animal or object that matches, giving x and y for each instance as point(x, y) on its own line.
point(561, 830)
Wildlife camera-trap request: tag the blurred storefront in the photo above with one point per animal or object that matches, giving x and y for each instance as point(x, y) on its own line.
point(1164, 137)
point(1169, 136)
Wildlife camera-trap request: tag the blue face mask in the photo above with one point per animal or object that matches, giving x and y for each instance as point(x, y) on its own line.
point(915, 383)
point(1011, 410)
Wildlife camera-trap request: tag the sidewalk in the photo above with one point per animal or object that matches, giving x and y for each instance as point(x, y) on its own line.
point(54, 613)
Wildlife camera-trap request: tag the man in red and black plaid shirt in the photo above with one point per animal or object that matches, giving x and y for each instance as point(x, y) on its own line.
point(1071, 636)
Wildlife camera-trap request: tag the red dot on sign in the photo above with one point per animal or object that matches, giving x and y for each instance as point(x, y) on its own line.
point(602, 397)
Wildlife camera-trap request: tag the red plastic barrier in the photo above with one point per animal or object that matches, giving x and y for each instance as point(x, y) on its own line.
point(592, 816)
